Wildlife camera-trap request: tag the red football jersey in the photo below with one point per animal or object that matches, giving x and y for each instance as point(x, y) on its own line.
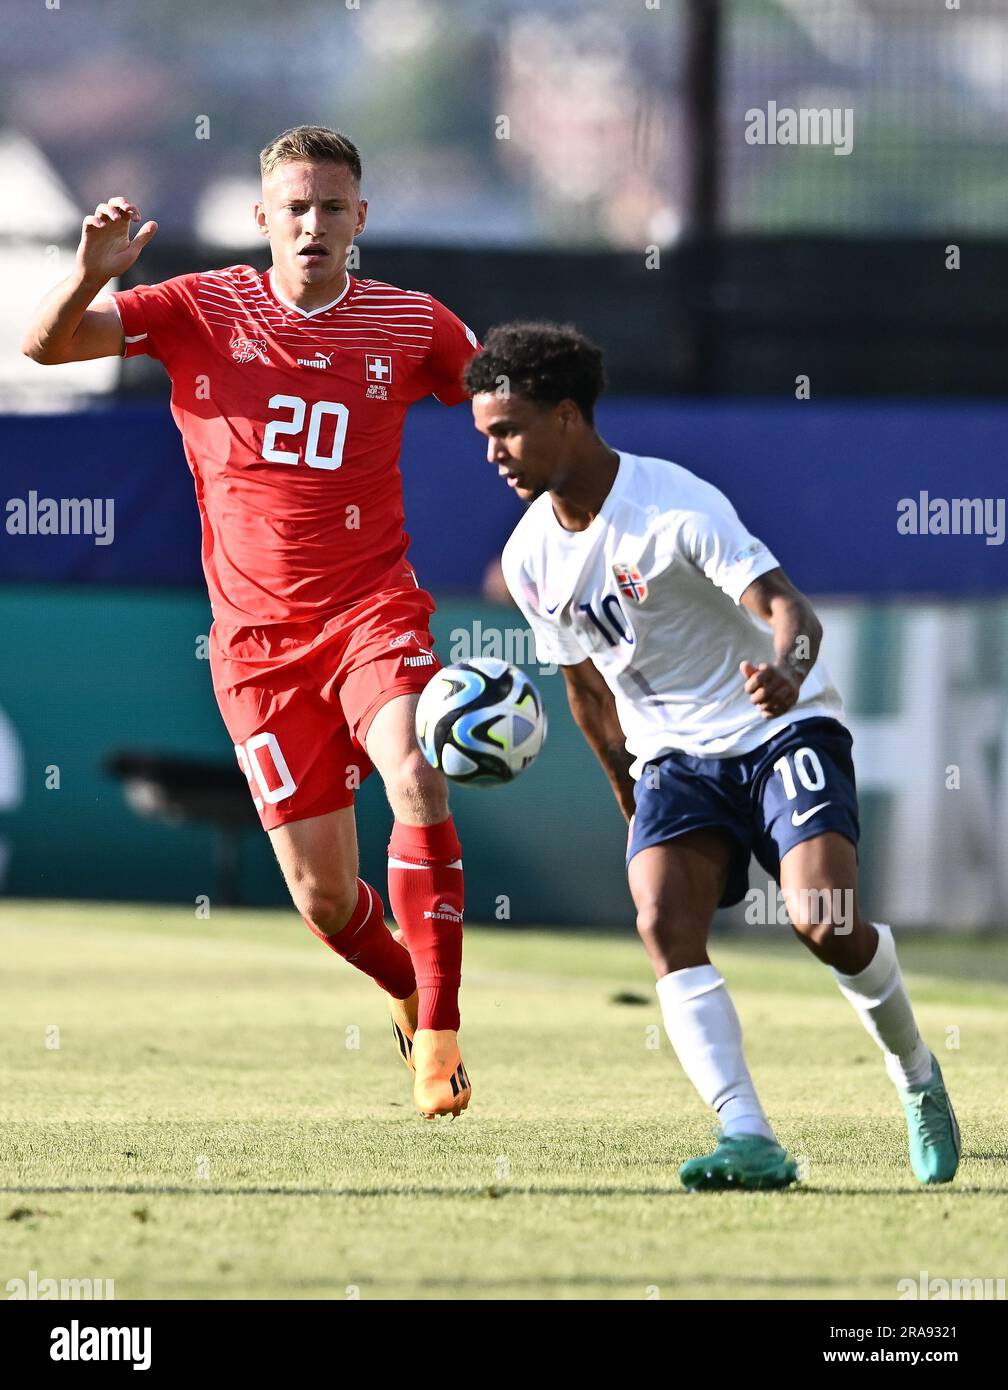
point(292, 423)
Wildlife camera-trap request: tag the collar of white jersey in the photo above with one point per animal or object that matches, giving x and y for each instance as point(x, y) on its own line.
point(307, 313)
point(601, 517)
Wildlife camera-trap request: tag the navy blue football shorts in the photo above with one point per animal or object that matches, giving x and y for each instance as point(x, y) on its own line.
point(798, 785)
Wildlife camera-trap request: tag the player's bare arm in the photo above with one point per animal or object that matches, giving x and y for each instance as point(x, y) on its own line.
point(773, 686)
point(66, 328)
point(594, 710)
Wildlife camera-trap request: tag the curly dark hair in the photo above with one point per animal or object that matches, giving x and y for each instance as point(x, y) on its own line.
point(543, 362)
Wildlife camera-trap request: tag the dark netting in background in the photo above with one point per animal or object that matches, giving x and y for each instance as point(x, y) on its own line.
point(928, 88)
point(614, 138)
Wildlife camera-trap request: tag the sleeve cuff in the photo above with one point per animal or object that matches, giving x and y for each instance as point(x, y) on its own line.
point(745, 574)
point(134, 324)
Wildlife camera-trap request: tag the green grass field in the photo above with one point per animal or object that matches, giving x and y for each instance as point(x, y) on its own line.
point(225, 1116)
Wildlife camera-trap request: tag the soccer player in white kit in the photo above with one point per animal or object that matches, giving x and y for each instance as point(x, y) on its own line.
point(691, 668)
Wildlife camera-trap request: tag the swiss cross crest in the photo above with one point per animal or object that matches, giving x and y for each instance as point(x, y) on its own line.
point(630, 583)
point(248, 349)
point(378, 367)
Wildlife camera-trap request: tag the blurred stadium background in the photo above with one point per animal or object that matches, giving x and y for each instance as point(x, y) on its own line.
point(579, 161)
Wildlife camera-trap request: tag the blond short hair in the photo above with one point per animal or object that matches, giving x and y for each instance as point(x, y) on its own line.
point(311, 142)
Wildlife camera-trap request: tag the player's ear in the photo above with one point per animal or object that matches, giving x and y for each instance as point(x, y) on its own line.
point(361, 216)
point(260, 219)
point(567, 414)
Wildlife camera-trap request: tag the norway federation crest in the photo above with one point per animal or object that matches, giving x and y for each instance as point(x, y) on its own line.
point(630, 582)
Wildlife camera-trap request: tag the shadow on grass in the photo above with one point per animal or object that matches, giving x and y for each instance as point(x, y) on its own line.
point(506, 1282)
point(490, 1192)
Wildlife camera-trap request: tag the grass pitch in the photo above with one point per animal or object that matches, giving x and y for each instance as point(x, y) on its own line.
point(215, 1109)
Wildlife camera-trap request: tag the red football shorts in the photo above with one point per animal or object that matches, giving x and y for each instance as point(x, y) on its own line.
point(298, 698)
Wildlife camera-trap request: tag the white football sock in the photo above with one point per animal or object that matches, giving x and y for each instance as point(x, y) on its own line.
point(881, 1002)
point(704, 1029)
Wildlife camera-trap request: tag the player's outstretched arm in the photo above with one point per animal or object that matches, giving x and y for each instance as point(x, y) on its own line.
point(774, 687)
point(594, 710)
point(65, 328)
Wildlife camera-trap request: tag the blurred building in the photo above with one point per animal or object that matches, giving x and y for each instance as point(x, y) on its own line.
point(171, 104)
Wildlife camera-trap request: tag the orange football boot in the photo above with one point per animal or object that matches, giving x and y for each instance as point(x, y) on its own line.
point(404, 1022)
point(404, 1015)
point(441, 1086)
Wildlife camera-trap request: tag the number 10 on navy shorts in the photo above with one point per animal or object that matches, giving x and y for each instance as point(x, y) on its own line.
point(796, 786)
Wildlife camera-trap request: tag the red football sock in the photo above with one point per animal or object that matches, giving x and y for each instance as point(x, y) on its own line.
point(426, 895)
point(368, 944)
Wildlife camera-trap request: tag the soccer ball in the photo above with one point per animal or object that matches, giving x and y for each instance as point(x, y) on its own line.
point(480, 721)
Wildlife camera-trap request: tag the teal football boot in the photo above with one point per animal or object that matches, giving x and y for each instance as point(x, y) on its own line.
point(746, 1161)
point(932, 1128)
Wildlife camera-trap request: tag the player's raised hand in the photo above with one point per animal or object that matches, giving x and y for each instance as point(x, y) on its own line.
point(772, 689)
point(105, 249)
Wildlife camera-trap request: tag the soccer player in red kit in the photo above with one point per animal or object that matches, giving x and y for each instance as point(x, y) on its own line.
point(290, 389)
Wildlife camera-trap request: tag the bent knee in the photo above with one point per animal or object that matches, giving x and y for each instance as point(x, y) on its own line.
point(661, 927)
point(416, 786)
point(819, 937)
point(820, 914)
point(830, 934)
point(326, 907)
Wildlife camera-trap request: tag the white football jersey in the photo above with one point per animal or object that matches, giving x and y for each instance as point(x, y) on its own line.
point(650, 593)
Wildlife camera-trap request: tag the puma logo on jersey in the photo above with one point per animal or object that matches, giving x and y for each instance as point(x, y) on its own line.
point(426, 657)
point(320, 361)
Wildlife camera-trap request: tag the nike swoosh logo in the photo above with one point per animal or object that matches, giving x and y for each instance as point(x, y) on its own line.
point(553, 609)
point(797, 819)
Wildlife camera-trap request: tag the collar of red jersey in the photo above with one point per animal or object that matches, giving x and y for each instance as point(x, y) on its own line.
point(307, 313)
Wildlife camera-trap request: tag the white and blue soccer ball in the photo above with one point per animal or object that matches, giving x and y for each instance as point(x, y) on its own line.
point(480, 721)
